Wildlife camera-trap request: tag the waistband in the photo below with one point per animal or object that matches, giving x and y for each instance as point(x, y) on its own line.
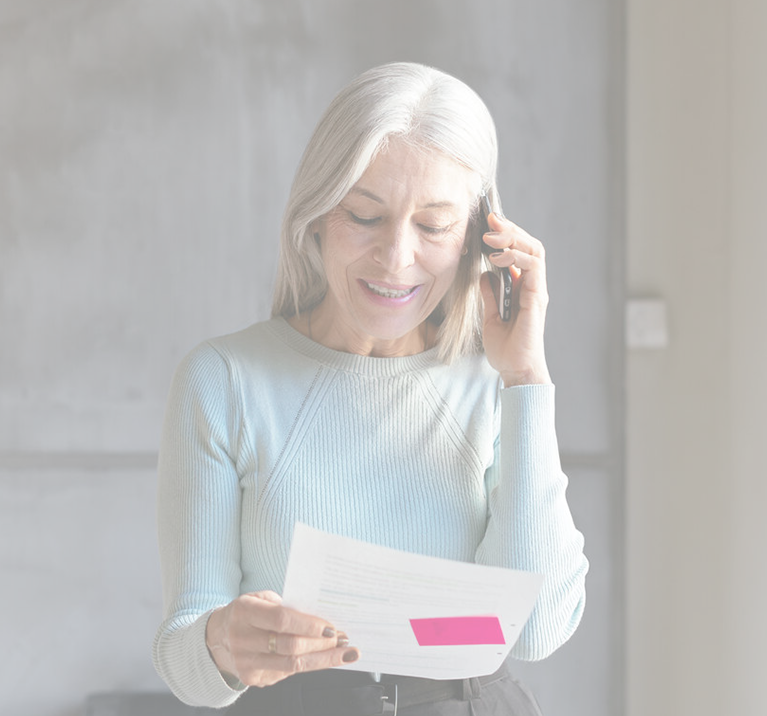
point(335, 692)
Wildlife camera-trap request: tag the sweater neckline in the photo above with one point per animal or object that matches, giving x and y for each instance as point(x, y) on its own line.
point(351, 362)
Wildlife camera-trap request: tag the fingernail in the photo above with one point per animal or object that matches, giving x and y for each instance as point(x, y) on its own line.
point(328, 632)
point(350, 656)
point(496, 254)
point(343, 640)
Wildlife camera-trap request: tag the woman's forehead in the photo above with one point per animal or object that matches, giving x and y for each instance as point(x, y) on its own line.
point(429, 177)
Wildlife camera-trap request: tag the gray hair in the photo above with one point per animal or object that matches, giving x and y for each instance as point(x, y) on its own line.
point(410, 102)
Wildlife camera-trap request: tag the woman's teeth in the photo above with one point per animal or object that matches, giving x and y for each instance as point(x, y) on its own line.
point(390, 292)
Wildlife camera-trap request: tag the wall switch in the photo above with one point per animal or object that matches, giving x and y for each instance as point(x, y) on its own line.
point(646, 323)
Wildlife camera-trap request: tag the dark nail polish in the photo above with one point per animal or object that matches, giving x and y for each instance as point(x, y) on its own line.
point(343, 640)
point(328, 632)
point(350, 656)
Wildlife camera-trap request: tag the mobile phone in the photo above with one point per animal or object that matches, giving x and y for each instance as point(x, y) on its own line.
point(504, 290)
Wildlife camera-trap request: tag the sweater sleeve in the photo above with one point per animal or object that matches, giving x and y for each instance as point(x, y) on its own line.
point(198, 524)
point(529, 523)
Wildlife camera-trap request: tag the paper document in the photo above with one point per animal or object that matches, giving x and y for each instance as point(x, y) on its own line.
point(409, 614)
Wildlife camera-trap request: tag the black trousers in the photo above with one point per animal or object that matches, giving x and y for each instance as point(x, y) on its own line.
point(349, 693)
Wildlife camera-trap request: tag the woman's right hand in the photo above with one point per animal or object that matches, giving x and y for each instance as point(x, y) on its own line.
point(260, 642)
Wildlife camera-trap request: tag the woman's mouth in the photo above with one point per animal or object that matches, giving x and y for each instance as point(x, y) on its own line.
point(387, 292)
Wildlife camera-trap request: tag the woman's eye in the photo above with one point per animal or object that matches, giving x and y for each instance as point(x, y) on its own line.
point(361, 220)
point(435, 230)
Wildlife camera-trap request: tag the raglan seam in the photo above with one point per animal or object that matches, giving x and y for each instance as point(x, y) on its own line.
point(288, 445)
point(447, 419)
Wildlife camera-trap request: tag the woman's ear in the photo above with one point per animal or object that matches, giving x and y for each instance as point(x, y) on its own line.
point(316, 228)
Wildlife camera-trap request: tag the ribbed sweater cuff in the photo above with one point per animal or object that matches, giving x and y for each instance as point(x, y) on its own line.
point(202, 683)
point(528, 421)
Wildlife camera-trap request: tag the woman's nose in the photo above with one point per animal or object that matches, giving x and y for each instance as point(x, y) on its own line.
point(396, 249)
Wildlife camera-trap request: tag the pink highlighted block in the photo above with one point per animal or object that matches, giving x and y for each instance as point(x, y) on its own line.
point(456, 631)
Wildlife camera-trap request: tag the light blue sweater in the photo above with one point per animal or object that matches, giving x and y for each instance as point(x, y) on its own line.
point(265, 427)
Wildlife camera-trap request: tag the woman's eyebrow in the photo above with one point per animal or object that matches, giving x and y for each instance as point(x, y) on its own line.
point(431, 205)
point(364, 192)
point(440, 205)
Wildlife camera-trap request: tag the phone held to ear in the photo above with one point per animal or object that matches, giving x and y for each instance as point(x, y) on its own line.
point(504, 291)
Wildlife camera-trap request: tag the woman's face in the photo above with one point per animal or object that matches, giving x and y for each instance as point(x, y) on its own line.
point(391, 250)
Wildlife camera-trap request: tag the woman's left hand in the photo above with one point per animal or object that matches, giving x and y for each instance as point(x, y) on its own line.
point(515, 347)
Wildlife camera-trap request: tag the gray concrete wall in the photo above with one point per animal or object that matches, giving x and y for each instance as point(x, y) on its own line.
point(146, 151)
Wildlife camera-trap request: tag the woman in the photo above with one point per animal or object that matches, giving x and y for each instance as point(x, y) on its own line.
point(385, 400)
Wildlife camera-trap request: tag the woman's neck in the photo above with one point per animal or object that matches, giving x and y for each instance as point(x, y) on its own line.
point(319, 326)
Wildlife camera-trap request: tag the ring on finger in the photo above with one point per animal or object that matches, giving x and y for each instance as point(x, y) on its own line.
point(272, 644)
